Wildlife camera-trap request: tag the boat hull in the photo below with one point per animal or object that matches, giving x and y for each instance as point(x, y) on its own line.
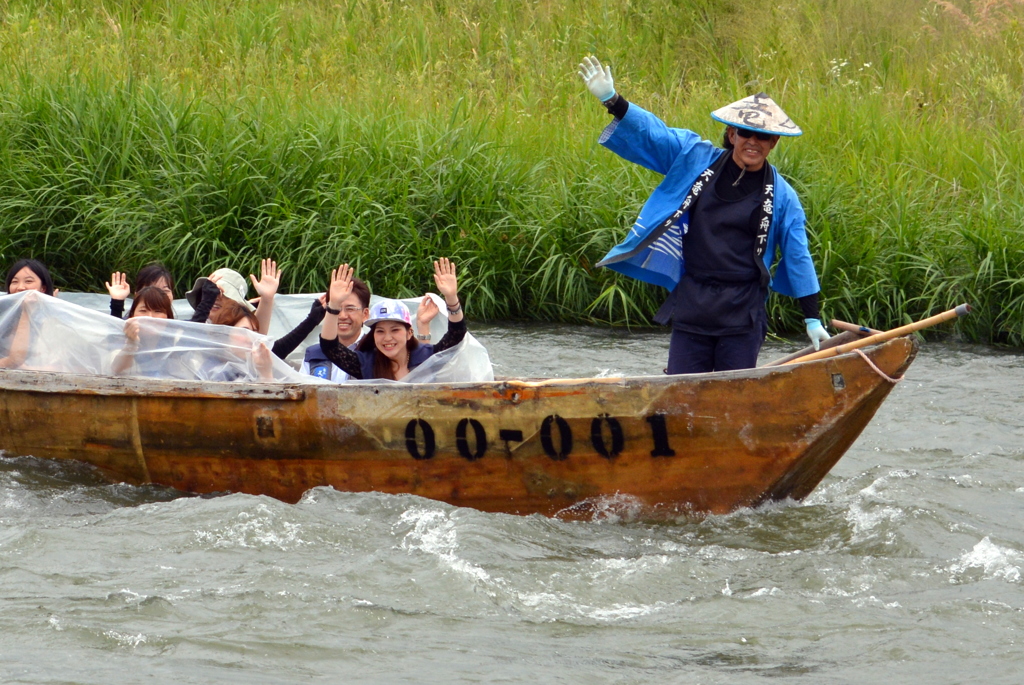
point(701, 443)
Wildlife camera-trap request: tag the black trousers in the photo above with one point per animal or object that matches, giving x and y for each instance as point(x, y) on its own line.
point(695, 353)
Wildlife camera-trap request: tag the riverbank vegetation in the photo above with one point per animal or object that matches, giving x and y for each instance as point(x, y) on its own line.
point(206, 133)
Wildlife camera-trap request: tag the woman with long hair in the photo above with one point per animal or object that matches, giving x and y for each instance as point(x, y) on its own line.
point(26, 275)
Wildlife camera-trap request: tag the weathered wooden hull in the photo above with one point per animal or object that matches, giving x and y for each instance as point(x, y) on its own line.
point(701, 443)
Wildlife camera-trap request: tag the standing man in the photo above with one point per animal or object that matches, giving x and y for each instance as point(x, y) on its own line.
point(712, 228)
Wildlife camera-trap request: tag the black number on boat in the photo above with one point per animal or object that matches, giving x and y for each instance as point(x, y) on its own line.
point(428, 439)
point(659, 432)
point(597, 437)
point(463, 445)
point(564, 438)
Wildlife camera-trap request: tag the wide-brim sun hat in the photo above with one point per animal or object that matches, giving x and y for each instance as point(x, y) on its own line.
point(389, 310)
point(233, 285)
point(757, 113)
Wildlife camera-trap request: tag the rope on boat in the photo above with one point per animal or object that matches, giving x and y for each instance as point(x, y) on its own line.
point(878, 370)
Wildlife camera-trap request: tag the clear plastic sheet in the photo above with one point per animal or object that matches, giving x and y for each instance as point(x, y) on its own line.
point(75, 333)
point(43, 333)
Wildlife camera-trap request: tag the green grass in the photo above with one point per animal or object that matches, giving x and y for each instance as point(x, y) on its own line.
point(386, 134)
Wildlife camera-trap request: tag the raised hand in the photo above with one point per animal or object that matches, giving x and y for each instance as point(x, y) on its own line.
point(426, 312)
point(447, 284)
point(341, 286)
point(118, 286)
point(598, 79)
point(215, 279)
point(270, 279)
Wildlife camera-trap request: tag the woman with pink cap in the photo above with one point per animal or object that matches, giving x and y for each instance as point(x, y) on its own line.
point(389, 350)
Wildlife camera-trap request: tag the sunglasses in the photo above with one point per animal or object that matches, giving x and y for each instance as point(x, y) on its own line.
point(746, 133)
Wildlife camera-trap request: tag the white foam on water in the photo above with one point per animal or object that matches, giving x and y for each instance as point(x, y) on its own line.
point(874, 490)
point(964, 480)
point(994, 562)
point(872, 512)
point(622, 612)
point(559, 606)
point(866, 522)
point(255, 530)
point(433, 532)
point(765, 592)
point(124, 639)
point(874, 601)
point(623, 567)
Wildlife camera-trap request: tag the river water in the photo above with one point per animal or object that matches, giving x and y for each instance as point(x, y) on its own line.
point(903, 566)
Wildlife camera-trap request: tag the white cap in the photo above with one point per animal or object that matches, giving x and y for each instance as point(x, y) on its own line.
point(233, 285)
point(389, 310)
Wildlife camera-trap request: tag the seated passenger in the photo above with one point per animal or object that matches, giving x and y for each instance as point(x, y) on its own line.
point(149, 302)
point(153, 274)
point(353, 310)
point(390, 350)
point(29, 274)
point(25, 276)
point(211, 293)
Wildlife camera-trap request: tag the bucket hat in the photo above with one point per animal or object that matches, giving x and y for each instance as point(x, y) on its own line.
point(757, 113)
point(234, 287)
point(389, 310)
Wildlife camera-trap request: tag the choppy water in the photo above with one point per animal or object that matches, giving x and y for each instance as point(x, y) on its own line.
point(904, 566)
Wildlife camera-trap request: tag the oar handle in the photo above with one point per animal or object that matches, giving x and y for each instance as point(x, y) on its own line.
point(886, 335)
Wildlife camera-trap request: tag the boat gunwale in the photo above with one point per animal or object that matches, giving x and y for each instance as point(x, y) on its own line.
point(23, 380)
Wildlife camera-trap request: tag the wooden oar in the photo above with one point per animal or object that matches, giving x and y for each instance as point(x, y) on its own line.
point(841, 338)
point(853, 328)
point(887, 335)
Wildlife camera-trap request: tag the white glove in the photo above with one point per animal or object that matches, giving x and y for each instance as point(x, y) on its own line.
point(816, 332)
point(598, 79)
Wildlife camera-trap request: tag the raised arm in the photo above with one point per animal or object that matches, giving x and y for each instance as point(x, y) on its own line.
point(448, 286)
point(266, 288)
point(339, 288)
point(637, 135)
point(119, 290)
point(288, 342)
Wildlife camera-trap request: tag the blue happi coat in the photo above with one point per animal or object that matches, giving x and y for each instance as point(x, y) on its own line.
point(682, 155)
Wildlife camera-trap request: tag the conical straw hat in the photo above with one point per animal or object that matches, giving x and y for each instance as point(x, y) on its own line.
point(757, 113)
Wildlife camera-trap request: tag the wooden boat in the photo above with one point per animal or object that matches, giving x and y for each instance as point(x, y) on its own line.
point(700, 443)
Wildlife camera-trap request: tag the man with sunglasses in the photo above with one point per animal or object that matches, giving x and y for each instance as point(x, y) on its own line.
point(713, 228)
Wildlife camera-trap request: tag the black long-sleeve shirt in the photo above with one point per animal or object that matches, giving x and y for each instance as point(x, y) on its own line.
point(288, 342)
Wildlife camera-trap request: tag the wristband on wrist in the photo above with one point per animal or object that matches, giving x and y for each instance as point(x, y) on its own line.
point(425, 338)
point(335, 312)
point(453, 310)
